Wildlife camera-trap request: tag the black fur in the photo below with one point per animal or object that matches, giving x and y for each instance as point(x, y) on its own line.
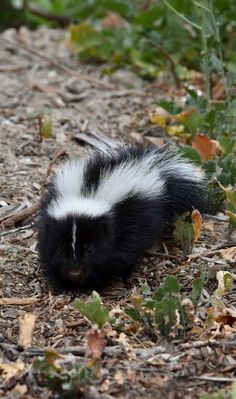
point(111, 245)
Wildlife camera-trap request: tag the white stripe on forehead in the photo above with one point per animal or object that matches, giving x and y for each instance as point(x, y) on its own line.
point(63, 206)
point(74, 237)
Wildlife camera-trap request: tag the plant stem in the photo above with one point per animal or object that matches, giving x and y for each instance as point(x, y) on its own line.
point(182, 16)
point(220, 53)
point(206, 60)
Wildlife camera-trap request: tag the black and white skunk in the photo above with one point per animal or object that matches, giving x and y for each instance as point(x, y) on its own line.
point(101, 213)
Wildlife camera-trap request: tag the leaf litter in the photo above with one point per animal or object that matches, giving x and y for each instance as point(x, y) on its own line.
point(114, 354)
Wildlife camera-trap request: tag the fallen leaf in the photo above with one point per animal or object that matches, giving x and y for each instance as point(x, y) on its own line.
point(210, 226)
point(105, 386)
point(113, 20)
point(96, 343)
point(225, 282)
point(159, 116)
point(204, 146)
point(197, 224)
point(26, 328)
point(9, 370)
point(20, 389)
point(184, 115)
point(158, 141)
point(119, 377)
point(176, 131)
point(228, 253)
point(137, 137)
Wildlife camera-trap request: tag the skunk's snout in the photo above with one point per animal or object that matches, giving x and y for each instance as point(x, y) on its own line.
point(76, 273)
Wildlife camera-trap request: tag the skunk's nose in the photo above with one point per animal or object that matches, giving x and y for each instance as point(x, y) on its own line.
point(74, 273)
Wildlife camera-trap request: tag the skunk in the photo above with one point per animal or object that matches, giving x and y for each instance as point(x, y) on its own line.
point(102, 213)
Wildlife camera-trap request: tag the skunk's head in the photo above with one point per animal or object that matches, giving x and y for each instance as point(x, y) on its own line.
point(75, 247)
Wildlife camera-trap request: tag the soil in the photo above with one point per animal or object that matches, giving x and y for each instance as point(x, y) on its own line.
point(79, 99)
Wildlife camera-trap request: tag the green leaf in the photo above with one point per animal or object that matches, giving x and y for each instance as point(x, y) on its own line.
point(190, 153)
point(209, 167)
point(232, 218)
point(93, 311)
point(197, 287)
point(166, 315)
point(170, 286)
point(46, 129)
point(169, 106)
point(145, 289)
point(230, 195)
point(184, 235)
point(234, 390)
point(148, 17)
point(133, 313)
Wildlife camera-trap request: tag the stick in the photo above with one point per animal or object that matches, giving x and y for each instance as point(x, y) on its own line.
point(58, 65)
point(18, 217)
point(60, 19)
point(18, 301)
point(59, 154)
point(18, 230)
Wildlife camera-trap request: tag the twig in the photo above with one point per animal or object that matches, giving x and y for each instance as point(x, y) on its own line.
point(59, 154)
point(19, 229)
point(18, 217)
point(213, 378)
point(220, 219)
point(169, 58)
point(18, 301)
point(224, 245)
point(12, 68)
point(81, 350)
point(58, 65)
point(60, 19)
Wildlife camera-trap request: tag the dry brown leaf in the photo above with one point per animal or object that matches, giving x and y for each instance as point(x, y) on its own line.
point(228, 253)
point(184, 115)
point(9, 370)
point(225, 282)
point(96, 343)
point(158, 141)
point(119, 377)
point(20, 389)
point(113, 20)
point(204, 146)
point(197, 224)
point(26, 329)
point(105, 386)
point(137, 137)
point(210, 226)
point(156, 360)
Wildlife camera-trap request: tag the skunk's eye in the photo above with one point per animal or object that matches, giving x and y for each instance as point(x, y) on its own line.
point(89, 250)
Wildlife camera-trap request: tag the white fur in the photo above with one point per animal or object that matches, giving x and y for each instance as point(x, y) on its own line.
point(130, 178)
point(142, 176)
point(182, 168)
point(70, 205)
point(73, 237)
point(69, 178)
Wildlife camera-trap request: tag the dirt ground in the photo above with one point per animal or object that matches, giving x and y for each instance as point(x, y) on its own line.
point(39, 74)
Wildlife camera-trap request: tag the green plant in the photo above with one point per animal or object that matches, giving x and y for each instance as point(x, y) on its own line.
point(93, 311)
point(166, 313)
point(64, 378)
